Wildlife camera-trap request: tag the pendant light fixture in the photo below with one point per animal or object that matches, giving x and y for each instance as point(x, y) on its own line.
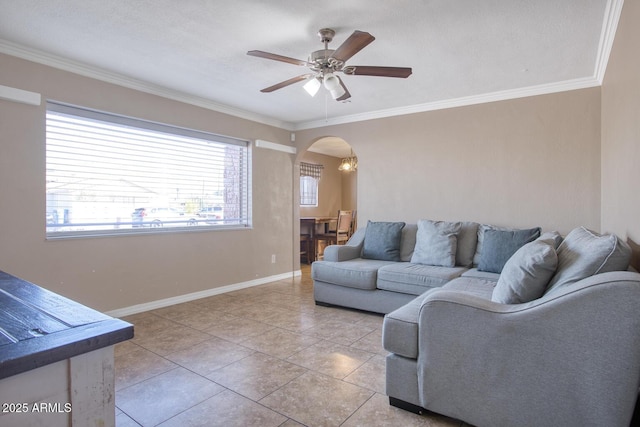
point(349, 164)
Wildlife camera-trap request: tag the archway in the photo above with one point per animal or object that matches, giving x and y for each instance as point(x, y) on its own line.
point(336, 189)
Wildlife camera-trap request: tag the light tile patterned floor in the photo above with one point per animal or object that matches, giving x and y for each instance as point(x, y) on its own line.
point(263, 356)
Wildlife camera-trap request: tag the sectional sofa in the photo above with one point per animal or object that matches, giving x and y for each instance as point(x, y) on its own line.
point(496, 326)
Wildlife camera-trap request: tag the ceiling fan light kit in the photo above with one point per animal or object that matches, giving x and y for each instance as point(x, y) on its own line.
point(325, 63)
point(312, 86)
point(333, 85)
point(331, 81)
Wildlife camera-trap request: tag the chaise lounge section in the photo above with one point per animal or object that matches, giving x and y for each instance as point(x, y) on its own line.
point(538, 330)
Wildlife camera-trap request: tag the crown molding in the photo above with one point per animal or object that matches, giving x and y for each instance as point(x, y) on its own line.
point(613, 10)
point(85, 70)
point(457, 102)
point(612, 14)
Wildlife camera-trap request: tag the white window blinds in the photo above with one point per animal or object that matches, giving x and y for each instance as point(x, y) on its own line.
point(109, 174)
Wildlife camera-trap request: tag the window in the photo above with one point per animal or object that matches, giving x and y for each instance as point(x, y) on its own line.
point(109, 174)
point(308, 191)
point(310, 175)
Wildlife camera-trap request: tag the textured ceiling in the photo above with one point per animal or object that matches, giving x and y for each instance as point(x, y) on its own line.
point(458, 49)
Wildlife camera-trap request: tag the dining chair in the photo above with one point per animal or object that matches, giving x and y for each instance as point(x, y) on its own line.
point(354, 222)
point(305, 247)
point(341, 233)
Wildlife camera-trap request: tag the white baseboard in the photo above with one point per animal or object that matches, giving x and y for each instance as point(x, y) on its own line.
point(152, 305)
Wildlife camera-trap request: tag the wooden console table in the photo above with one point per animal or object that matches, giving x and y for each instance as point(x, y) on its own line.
point(56, 358)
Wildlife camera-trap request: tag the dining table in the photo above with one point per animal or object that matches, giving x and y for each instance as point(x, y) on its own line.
point(313, 225)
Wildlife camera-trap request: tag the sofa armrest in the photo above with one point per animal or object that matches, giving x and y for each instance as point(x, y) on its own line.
point(351, 250)
point(569, 358)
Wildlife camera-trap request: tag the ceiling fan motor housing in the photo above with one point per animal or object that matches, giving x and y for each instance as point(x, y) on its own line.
point(326, 35)
point(321, 60)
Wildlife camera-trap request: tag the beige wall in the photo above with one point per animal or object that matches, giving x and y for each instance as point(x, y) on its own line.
point(524, 162)
point(329, 186)
point(117, 272)
point(557, 161)
point(350, 190)
point(621, 132)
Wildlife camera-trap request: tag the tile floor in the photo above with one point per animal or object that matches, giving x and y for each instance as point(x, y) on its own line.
point(262, 356)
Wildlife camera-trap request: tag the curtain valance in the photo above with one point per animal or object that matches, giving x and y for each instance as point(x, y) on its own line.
point(310, 169)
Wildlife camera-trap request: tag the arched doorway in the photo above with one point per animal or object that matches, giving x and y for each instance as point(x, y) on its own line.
point(335, 188)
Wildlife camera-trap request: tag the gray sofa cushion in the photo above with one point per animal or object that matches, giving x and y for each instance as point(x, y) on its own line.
point(436, 243)
point(482, 288)
point(526, 274)
point(584, 253)
point(414, 279)
point(382, 241)
point(356, 273)
point(408, 242)
point(467, 242)
point(499, 245)
point(475, 273)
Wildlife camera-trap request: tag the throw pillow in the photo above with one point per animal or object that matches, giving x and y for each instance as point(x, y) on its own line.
point(480, 239)
point(436, 243)
point(526, 274)
point(584, 253)
point(382, 241)
point(499, 245)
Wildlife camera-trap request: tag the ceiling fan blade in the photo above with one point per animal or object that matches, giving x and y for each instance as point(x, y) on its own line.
point(267, 55)
point(360, 70)
point(346, 95)
point(354, 44)
point(287, 82)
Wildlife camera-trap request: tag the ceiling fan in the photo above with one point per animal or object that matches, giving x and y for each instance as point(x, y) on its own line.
point(325, 63)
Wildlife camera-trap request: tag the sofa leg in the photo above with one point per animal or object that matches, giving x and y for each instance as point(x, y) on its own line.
point(406, 406)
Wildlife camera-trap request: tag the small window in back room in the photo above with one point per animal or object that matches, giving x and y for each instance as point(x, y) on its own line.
point(108, 174)
point(310, 175)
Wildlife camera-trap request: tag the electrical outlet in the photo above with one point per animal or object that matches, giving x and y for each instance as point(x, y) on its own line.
point(273, 258)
